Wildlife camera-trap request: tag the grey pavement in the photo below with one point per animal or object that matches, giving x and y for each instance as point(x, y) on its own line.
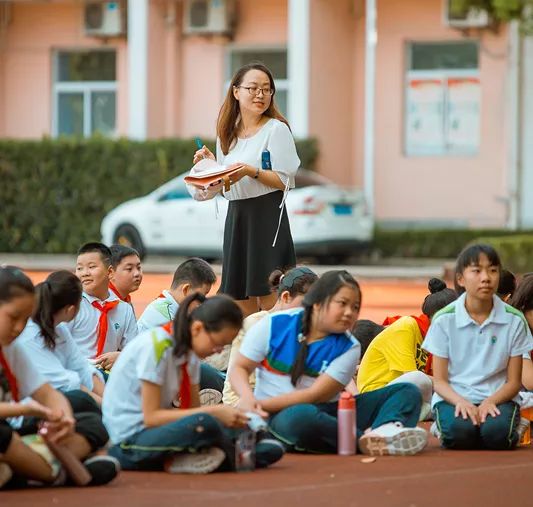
point(384, 269)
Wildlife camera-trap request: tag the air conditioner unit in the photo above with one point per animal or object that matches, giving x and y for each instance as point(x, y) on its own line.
point(473, 18)
point(104, 19)
point(208, 17)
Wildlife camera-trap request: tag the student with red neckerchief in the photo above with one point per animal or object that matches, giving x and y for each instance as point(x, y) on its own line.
point(126, 272)
point(163, 364)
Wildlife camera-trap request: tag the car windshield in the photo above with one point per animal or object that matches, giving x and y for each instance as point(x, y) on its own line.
point(306, 178)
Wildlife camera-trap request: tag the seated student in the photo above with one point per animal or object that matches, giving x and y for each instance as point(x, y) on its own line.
point(192, 275)
point(81, 434)
point(126, 271)
point(365, 331)
point(477, 344)
point(506, 286)
point(48, 340)
point(522, 300)
point(147, 432)
point(303, 358)
point(395, 355)
point(291, 288)
point(104, 323)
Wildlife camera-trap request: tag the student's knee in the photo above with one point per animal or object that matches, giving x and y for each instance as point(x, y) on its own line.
point(499, 433)
point(410, 394)
point(90, 426)
point(458, 433)
point(422, 381)
point(297, 425)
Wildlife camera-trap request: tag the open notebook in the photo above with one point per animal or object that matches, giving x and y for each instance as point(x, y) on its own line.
point(207, 173)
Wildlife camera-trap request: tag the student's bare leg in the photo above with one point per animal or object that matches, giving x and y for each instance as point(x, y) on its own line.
point(26, 462)
point(267, 302)
point(248, 306)
point(77, 445)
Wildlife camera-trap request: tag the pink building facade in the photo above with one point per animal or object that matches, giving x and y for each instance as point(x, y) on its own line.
point(447, 123)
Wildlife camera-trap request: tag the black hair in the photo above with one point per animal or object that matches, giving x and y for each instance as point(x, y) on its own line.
point(320, 293)
point(94, 247)
point(507, 284)
point(120, 252)
point(194, 271)
point(365, 331)
point(470, 256)
point(60, 289)
point(439, 296)
point(522, 298)
point(14, 283)
point(296, 281)
point(215, 313)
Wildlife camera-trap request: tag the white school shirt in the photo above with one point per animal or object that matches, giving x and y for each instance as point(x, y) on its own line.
point(64, 366)
point(256, 345)
point(477, 354)
point(273, 136)
point(29, 379)
point(149, 357)
point(158, 312)
point(122, 327)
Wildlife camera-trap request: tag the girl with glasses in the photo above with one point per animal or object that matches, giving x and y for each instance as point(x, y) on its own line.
point(254, 136)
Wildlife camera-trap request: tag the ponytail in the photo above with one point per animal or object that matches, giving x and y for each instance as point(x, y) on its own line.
point(214, 313)
point(60, 289)
point(320, 293)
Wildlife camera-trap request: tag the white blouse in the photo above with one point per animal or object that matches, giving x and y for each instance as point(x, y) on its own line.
point(273, 136)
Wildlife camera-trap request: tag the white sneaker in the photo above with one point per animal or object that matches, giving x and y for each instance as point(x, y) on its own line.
point(210, 397)
point(393, 439)
point(202, 462)
point(434, 430)
point(425, 411)
point(5, 474)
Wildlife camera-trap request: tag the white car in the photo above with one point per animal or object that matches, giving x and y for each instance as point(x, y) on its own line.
point(327, 221)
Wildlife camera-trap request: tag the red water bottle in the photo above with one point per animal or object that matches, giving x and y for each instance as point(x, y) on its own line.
point(347, 433)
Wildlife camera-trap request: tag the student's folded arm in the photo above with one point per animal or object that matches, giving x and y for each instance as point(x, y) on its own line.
point(46, 395)
point(239, 374)
point(440, 381)
point(512, 385)
point(322, 390)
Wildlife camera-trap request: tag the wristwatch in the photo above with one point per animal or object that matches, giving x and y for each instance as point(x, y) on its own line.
point(256, 174)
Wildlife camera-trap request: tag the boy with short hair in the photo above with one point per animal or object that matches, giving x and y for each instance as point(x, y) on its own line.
point(104, 323)
point(126, 273)
point(193, 275)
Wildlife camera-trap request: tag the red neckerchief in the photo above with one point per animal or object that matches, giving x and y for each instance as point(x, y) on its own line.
point(112, 287)
point(103, 323)
point(11, 379)
point(185, 384)
point(423, 324)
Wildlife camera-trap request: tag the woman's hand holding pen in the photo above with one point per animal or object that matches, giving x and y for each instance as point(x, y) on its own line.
point(203, 152)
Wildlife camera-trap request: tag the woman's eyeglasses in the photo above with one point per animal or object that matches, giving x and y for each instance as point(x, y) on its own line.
point(255, 90)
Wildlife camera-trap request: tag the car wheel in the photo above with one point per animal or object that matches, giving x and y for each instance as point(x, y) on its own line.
point(128, 235)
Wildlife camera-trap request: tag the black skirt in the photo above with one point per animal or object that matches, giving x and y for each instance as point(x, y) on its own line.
point(248, 256)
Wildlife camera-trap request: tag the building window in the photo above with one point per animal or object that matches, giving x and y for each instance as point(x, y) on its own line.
point(274, 59)
point(443, 99)
point(85, 92)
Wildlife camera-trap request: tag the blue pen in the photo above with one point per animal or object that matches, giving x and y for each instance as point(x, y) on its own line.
point(199, 143)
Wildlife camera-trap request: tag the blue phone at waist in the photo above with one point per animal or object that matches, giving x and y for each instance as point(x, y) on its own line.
point(265, 160)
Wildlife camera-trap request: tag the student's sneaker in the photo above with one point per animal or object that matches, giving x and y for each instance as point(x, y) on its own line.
point(210, 397)
point(434, 430)
point(425, 411)
point(5, 474)
point(103, 469)
point(202, 462)
point(393, 439)
point(267, 451)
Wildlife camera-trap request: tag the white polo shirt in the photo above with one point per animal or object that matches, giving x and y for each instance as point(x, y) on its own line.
point(149, 357)
point(477, 354)
point(64, 367)
point(158, 312)
point(122, 327)
point(29, 379)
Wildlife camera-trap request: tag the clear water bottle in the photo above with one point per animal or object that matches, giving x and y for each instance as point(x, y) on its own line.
point(346, 420)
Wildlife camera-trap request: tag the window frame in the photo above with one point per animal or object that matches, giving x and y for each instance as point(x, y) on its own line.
point(442, 75)
point(75, 87)
point(281, 84)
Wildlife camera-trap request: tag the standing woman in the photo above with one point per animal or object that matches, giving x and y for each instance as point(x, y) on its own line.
point(251, 132)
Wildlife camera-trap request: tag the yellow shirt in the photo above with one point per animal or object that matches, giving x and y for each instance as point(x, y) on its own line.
point(393, 352)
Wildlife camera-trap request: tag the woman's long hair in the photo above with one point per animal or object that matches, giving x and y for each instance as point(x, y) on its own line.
point(229, 117)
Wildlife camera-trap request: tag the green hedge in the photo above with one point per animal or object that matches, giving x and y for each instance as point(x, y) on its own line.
point(432, 243)
point(55, 192)
point(516, 252)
